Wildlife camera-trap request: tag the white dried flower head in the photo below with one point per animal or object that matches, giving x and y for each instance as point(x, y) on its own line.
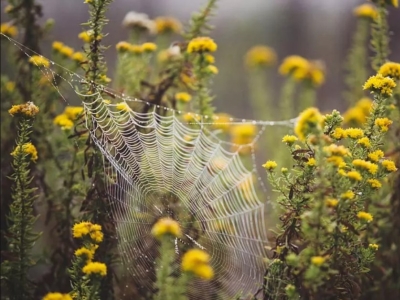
point(139, 21)
point(174, 49)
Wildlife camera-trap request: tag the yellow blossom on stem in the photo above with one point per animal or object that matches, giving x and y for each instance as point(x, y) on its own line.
point(79, 230)
point(95, 268)
point(63, 121)
point(57, 296)
point(183, 97)
point(338, 161)
point(86, 36)
point(318, 260)
point(364, 142)
point(222, 122)
point(389, 165)
point(311, 162)
point(289, 139)
point(354, 133)
point(136, 49)
point(123, 46)
point(243, 134)
point(364, 216)
point(73, 112)
point(212, 69)
point(167, 25)
point(374, 246)
point(292, 63)
point(66, 51)
point(366, 11)
point(260, 56)
point(383, 124)
point(376, 155)
point(149, 47)
point(209, 58)
point(348, 195)
point(390, 69)
point(8, 29)
point(201, 44)
point(354, 175)
point(334, 149)
point(197, 261)
point(166, 226)
point(331, 202)
point(270, 165)
point(78, 57)
point(87, 253)
point(39, 61)
point(28, 110)
point(122, 106)
point(366, 165)
point(374, 183)
point(57, 45)
point(380, 84)
point(28, 149)
point(339, 133)
point(309, 120)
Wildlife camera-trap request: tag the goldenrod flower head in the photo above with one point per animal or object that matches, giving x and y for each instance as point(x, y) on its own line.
point(201, 44)
point(212, 69)
point(166, 226)
point(338, 161)
point(380, 84)
point(87, 253)
point(136, 49)
point(390, 69)
point(79, 230)
point(122, 106)
point(334, 149)
point(339, 133)
point(284, 170)
point(8, 29)
point(39, 61)
point(123, 46)
point(104, 78)
point(270, 165)
point(374, 183)
point(289, 139)
point(376, 155)
point(79, 57)
point(63, 121)
point(66, 51)
point(183, 97)
point(149, 47)
point(139, 21)
point(331, 202)
point(28, 110)
point(197, 261)
point(88, 36)
point(292, 63)
point(243, 134)
point(57, 296)
point(95, 268)
point(209, 58)
point(311, 162)
point(383, 124)
point(260, 56)
point(222, 122)
point(354, 175)
point(389, 165)
point(364, 142)
point(366, 11)
point(355, 116)
point(365, 104)
point(354, 133)
point(28, 149)
point(73, 112)
point(318, 260)
point(364, 216)
point(366, 165)
point(309, 121)
point(349, 195)
point(374, 246)
point(57, 45)
point(167, 25)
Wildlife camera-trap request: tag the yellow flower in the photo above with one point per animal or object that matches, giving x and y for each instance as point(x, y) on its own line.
point(348, 195)
point(339, 133)
point(8, 29)
point(364, 142)
point(309, 120)
point(354, 175)
point(376, 155)
point(363, 164)
point(57, 45)
point(27, 148)
point(380, 84)
point(166, 226)
point(222, 122)
point(106, 101)
point(28, 109)
point(331, 202)
point(197, 261)
point(183, 97)
point(39, 61)
point(389, 165)
point(209, 58)
point(354, 133)
point(167, 25)
point(318, 260)
point(334, 149)
point(383, 124)
point(260, 56)
point(66, 51)
point(374, 183)
point(82, 229)
point(366, 11)
point(149, 47)
point(284, 170)
point(270, 165)
point(201, 44)
point(123, 46)
point(86, 36)
point(289, 139)
point(364, 216)
point(88, 253)
point(73, 112)
point(311, 162)
point(136, 49)
point(95, 268)
point(63, 121)
point(79, 57)
point(338, 161)
point(365, 104)
point(122, 106)
point(212, 69)
point(243, 134)
point(390, 69)
point(292, 63)
point(373, 246)
point(57, 296)
point(354, 115)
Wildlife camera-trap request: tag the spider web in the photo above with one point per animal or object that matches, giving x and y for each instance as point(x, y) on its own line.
point(157, 165)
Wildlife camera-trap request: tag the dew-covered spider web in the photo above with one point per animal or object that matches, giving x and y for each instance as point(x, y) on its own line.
point(160, 163)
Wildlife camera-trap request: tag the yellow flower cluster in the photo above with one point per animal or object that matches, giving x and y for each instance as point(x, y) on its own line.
point(366, 165)
point(311, 162)
point(212, 69)
point(365, 142)
point(28, 149)
point(380, 84)
point(28, 110)
point(366, 11)
point(383, 124)
point(87, 253)
point(289, 139)
point(201, 44)
point(354, 133)
point(374, 183)
point(67, 118)
point(331, 202)
point(353, 175)
point(390, 69)
point(183, 97)
point(222, 122)
point(339, 133)
point(318, 260)
point(376, 155)
point(302, 69)
point(167, 25)
point(309, 121)
point(123, 47)
point(95, 268)
point(260, 56)
point(39, 61)
point(243, 134)
point(8, 29)
point(374, 246)
point(349, 195)
point(87, 36)
point(166, 226)
point(122, 106)
point(364, 216)
point(63, 49)
point(270, 165)
point(82, 229)
point(358, 114)
point(389, 165)
point(334, 149)
point(57, 296)
point(197, 262)
point(78, 57)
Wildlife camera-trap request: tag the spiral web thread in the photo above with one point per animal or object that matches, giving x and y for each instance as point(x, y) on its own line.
point(158, 165)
